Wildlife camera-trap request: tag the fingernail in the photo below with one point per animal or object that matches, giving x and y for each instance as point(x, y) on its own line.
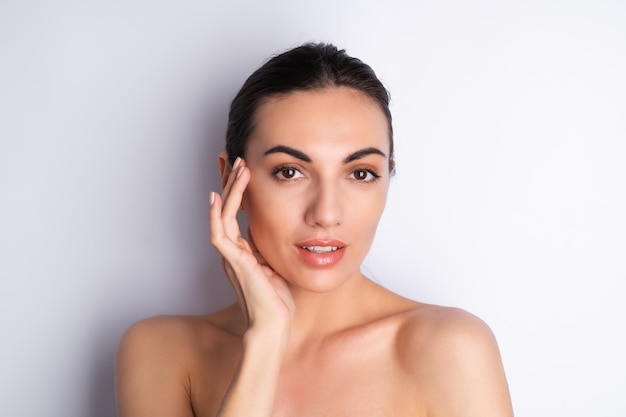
point(212, 197)
point(237, 162)
point(239, 172)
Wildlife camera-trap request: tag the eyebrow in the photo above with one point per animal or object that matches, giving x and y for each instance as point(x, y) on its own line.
point(362, 153)
point(290, 151)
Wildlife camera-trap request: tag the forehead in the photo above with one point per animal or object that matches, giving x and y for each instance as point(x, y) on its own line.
point(332, 118)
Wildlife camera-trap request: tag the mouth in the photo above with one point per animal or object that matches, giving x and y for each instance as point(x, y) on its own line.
point(320, 249)
point(321, 253)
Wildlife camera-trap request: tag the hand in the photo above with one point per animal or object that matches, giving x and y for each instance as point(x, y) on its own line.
point(263, 295)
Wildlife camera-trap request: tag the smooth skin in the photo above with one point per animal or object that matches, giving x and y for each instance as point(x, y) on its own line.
point(309, 340)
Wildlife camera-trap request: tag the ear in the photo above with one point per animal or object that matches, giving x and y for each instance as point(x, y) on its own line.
point(225, 168)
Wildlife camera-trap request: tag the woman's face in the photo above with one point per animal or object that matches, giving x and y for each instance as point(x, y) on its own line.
point(319, 176)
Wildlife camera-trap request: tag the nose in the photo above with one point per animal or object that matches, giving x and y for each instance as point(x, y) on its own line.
point(325, 208)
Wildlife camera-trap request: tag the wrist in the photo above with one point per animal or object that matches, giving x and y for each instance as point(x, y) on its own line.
point(266, 339)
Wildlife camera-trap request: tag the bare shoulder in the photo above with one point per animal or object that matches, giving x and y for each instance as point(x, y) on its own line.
point(155, 359)
point(428, 327)
point(156, 332)
point(454, 359)
point(172, 336)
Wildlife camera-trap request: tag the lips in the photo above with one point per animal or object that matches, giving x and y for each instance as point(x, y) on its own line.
point(321, 253)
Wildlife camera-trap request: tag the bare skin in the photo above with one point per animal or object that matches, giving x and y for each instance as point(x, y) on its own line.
point(309, 339)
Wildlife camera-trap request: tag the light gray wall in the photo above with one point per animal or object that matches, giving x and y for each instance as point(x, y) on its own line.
point(509, 199)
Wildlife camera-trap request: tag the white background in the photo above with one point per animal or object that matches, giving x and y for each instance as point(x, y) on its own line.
point(509, 199)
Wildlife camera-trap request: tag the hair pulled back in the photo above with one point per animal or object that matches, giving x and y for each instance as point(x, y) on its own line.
point(311, 66)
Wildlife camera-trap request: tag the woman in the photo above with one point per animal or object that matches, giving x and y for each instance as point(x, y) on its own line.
point(309, 156)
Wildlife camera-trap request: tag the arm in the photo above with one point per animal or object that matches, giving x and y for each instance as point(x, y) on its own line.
point(253, 387)
point(264, 298)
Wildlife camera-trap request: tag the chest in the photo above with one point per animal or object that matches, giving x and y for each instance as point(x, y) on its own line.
point(351, 383)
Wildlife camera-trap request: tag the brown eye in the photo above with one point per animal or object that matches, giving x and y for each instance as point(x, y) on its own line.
point(288, 173)
point(364, 175)
point(360, 174)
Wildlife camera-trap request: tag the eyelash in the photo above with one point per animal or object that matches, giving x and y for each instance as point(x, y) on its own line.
point(278, 170)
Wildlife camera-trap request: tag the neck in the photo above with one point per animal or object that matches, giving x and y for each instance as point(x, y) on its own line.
point(319, 315)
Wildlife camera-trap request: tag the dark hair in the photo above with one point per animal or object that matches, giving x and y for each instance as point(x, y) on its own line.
point(311, 66)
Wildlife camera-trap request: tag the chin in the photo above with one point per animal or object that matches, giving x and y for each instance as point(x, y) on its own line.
point(321, 280)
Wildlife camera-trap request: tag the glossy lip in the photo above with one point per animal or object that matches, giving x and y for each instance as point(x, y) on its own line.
point(321, 260)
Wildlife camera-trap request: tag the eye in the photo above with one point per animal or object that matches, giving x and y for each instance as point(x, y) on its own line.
point(364, 175)
point(286, 173)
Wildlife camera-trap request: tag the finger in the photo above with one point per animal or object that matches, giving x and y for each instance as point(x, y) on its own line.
point(234, 178)
point(228, 249)
point(236, 251)
point(215, 219)
point(226, 246)
point(233, 202)
point(231, 178)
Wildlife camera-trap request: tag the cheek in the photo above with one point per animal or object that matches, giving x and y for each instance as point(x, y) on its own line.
point(267, 214)
point(364, 217)
point(366, 207)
